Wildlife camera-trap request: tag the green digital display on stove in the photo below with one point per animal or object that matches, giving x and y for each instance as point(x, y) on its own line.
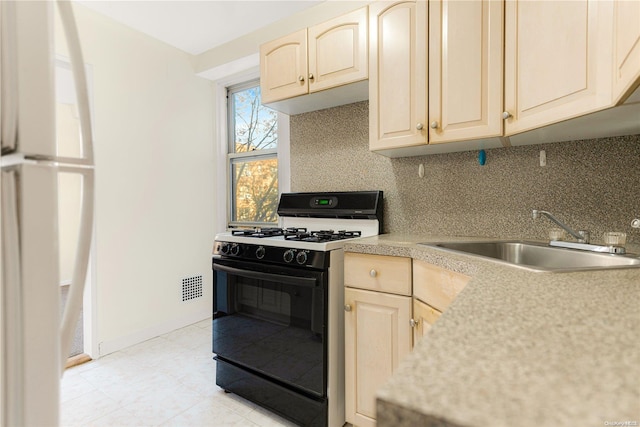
point(323, 201)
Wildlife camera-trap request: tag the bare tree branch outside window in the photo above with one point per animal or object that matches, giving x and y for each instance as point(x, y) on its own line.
point(255, 176)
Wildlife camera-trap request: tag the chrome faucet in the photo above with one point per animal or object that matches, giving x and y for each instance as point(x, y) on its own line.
point(582, 236)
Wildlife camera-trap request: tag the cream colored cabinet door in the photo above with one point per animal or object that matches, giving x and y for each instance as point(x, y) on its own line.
point(436, 285)
point(424, 316)
point(557, 61)
point(338, 51)
point(626, 47)
point(465, 69)
point(283, 67)
point(397, 74)
point(377, 337)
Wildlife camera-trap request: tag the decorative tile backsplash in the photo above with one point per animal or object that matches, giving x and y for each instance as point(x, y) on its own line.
point(589, 184)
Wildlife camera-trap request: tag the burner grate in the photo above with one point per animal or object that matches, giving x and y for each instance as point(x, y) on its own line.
point(299, 234)
point(320, 236)
point(295, 233)
point(258, 232)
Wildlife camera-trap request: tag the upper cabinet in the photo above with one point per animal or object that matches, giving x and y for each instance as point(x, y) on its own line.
point(557, 57)
point(453, 75)
point(283, 67)
point(465, 70)
point(626, 48)
point(338, 51)
point(327, 56)
point(500, 73)
point(415, 104)
point(397, 74)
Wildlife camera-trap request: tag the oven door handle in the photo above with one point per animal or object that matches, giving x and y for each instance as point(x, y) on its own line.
point(309, 282)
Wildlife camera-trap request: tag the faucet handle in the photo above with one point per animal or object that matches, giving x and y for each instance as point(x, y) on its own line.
point(635, 223)
point(585, 236)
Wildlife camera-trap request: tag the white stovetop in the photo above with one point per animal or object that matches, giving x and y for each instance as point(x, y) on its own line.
point(367, 228)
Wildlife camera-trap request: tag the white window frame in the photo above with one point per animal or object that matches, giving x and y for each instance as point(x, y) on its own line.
point(248, 156)
point(223, 171)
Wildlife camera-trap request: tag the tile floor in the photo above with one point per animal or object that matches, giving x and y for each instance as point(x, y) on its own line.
point(166, 381)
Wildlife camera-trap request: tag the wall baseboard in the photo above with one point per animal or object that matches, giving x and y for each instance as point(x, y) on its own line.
point(141, 335)
point(76, 360)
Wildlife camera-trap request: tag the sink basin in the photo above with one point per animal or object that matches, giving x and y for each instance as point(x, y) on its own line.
point(538, 256)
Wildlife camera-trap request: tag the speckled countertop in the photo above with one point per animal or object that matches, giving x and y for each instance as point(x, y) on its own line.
point(518, 348)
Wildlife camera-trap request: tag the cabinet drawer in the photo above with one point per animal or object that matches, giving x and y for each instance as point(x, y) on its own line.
point(436, 286)
point(378, 273)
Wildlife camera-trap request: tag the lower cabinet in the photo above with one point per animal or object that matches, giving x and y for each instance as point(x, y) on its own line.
point(377, 328)
point(435, 285)
point(390, 303)
point(424, 316)
point(378, 336)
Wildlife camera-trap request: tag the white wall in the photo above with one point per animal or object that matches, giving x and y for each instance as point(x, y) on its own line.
point(153, 134)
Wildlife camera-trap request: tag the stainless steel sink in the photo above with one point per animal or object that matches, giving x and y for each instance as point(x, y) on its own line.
point(538, 256)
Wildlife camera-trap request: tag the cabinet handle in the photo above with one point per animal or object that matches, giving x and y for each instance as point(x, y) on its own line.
point(414, 323)
point(419, 126)
point(373, 273)
point(310, 76)
point(506, 115)
point(301, 78)
point(347, 307)
point(434, 125)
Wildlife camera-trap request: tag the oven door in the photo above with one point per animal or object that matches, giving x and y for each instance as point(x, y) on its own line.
point(272, 321)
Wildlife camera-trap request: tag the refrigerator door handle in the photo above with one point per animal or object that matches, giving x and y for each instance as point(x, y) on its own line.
point(76, 290)
point(9, 73)
point(12, 338)
point(80, 77)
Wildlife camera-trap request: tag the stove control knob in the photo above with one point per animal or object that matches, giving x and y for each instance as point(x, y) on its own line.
point(260, 252)
point(235, 249)
point(224, 248)
point(289, 254)
point(301, 257)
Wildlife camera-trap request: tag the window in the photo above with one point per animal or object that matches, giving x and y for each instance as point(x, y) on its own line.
point(252, 157)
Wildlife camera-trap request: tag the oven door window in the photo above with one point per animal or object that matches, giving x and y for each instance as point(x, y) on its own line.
point(272, 322)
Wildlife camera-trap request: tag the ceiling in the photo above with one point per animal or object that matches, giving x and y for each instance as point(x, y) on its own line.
point(197, 26)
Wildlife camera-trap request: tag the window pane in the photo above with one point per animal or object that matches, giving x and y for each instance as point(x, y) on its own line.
point(255, 126)
point(255, 190)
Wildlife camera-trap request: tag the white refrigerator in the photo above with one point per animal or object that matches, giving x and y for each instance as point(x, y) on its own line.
point(34, 338)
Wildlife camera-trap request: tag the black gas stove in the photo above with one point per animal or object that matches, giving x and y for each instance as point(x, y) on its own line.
point(279, 300)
